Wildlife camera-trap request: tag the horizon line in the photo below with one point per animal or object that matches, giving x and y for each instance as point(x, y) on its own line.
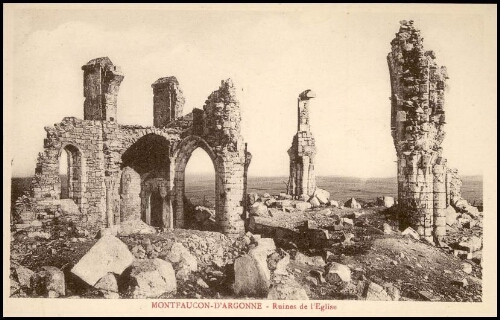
point(286, 176)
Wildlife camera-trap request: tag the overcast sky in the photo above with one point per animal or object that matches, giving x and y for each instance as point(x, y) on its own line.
point(272, 56)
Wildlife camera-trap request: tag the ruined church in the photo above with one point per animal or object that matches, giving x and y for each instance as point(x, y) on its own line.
point(119, 173)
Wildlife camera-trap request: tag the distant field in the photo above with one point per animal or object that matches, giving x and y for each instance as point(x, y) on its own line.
point(340, 188)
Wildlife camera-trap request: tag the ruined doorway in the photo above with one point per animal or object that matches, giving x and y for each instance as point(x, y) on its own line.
point(193, 145)
point(199, 191)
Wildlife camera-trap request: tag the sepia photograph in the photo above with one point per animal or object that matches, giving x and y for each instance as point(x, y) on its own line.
point(249, 159)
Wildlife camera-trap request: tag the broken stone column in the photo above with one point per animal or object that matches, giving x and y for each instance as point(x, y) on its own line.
point(168, 101)
point(417, 122)
point(302, 179)
point(101, 83)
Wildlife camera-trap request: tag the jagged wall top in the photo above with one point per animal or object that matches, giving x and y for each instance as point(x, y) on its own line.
point(418, 83)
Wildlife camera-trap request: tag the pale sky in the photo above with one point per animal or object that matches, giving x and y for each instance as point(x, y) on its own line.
point(272, 53)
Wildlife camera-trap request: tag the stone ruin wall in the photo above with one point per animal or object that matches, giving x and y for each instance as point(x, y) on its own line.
point(426, 186)
point(114, 169)
point(302, 180)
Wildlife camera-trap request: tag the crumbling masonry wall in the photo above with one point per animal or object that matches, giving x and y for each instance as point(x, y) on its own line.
point(302, 152)
point(120, 172)
point(425, 183)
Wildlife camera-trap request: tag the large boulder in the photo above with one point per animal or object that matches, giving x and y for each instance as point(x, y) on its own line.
point(109, 254)
point(49, 282)
point(322, 195)
point(152, 278)
point(23, 276)
point(251, 276)
point(352, 203)
point(375, 292)
point(265, 246)
point(185, 261)
point(314, 201)
point(336, 272)
point(288, 290)
point(258, 209)
point(127, 228)
point(108, 286)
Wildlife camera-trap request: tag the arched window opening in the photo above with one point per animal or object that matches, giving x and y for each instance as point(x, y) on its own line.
point(64, 174)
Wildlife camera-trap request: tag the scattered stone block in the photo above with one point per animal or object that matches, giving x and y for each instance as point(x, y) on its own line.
point(109, 254)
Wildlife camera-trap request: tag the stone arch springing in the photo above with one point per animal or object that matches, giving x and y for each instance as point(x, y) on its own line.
point(182, 155)
point(75, 173)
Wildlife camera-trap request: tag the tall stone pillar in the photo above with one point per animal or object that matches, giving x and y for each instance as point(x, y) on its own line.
point(168, 101)
point(302, 179)
point(417, 122)
point(101, 83)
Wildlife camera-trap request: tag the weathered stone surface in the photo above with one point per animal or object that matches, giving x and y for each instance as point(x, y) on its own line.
point(451, 215)
point(265, 246)
point(135, 227)
point(302, 179)
point(250, 277)
point(348, 223)
point(23, 276)
point(290, 290)
point(387, 228)
point(322, 195)
point(336, 272)
point(69, 207)
point(375, 292)
point(108, 286)
point(152, 278)
point(109, 254)
point(314, 202)
point(472, 244)
point(412, 233)
point(352, 203)
point(425, 183)
point(303, 206)
point(258, 209)
point(334, 203)
point(281, 265)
